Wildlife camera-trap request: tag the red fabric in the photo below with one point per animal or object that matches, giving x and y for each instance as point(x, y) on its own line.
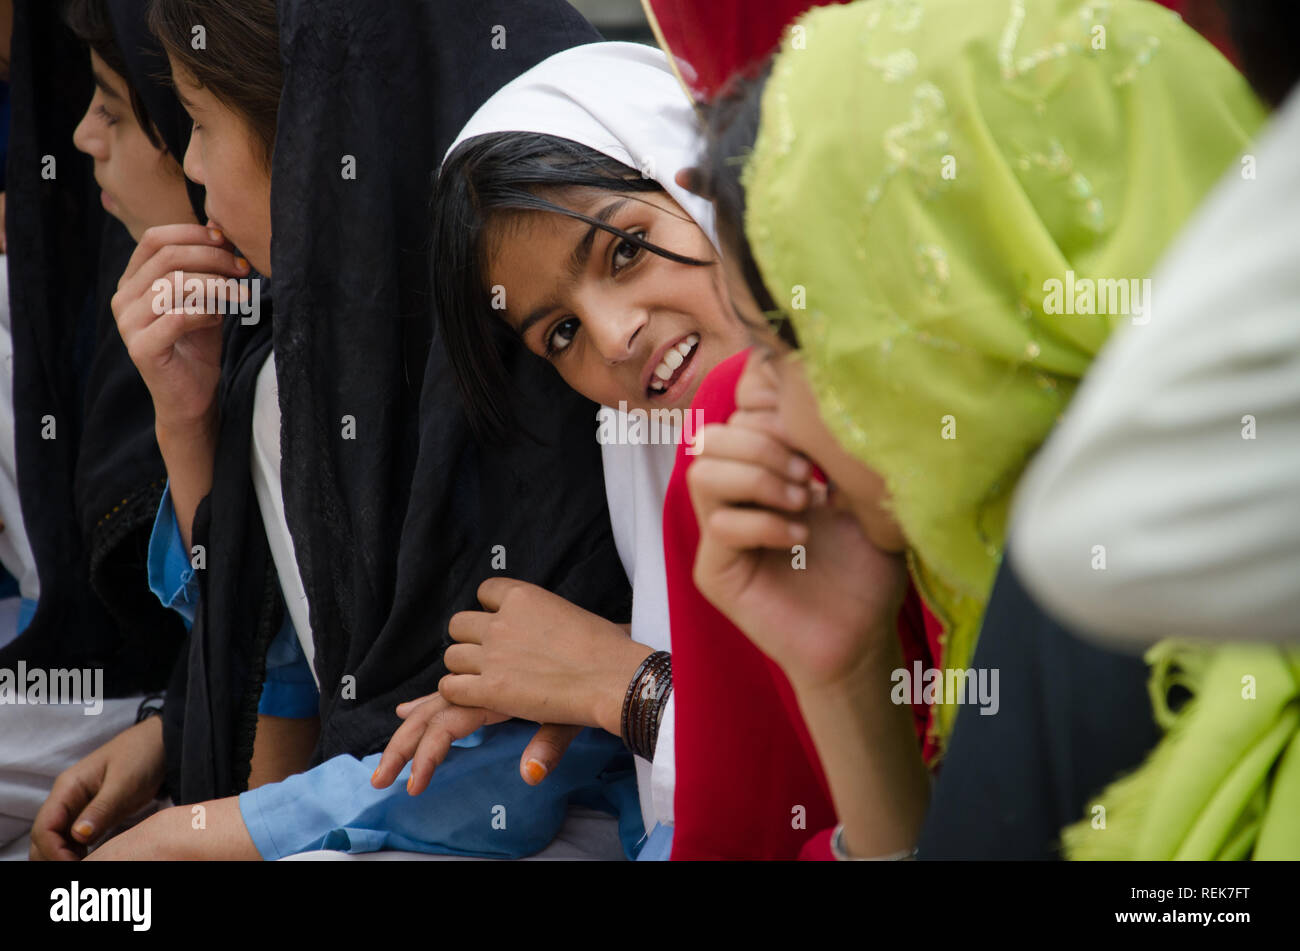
point(716, 38)
point(745, 760)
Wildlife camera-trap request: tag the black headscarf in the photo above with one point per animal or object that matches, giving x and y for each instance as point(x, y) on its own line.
point(394, 511)
point(89, 472)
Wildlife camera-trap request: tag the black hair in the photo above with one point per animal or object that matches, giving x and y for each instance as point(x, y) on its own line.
point(487, 176)
point(731, 123)
point(1265, 33)
point(88, 19)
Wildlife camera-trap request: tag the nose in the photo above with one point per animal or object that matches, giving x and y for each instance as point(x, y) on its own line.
point(192, 164)
point(88, 138)
point(614, 329)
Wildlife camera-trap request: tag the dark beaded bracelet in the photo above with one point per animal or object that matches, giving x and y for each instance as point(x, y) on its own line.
point(643, 705)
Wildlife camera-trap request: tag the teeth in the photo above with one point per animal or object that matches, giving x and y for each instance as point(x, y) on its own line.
point(673, 360)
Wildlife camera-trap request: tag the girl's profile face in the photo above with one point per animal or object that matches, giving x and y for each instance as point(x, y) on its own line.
point(775, 381)
point(225, 157)
point(619, 323)
point(142, 184)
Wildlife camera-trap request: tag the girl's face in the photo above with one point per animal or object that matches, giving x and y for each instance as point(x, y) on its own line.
point(225, 157)
point(142, 184)
point(619, 323)
point(774, 380)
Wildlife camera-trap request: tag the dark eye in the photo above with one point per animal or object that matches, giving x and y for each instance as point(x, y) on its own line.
point(561, 335)
point(108, 117)
point(625, 252)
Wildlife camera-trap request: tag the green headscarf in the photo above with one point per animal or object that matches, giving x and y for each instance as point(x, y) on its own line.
point(922, 170)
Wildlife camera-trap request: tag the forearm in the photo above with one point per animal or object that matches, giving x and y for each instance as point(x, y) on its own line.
point(868, 750)
point(189, 452)
point(212, 831)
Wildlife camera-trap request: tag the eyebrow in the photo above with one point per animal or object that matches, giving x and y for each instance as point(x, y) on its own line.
point(582, 252)
point(103, 85)
point(577, 260)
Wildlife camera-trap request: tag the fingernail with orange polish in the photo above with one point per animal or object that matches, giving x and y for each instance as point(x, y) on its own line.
point(215, 234)
point(536, 771)
point(85, 829)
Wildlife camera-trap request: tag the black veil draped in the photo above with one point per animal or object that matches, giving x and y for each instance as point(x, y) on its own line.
point(89, 472)
point(395, 512)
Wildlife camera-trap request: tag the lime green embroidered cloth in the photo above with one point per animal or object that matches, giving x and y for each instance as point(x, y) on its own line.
point(957, 201)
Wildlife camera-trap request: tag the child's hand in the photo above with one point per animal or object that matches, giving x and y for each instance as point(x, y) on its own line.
point(432, 725)
point(797, 575)
point(99, 792)
point(178, 354)
point(534, 655)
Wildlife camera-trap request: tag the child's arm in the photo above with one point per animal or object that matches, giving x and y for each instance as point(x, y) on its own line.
point(178, 354)
point(532, 655)
point(831, 625)
point(212, 830)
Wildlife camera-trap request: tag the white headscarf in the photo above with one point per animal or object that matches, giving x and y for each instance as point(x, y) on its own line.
point(621, 99)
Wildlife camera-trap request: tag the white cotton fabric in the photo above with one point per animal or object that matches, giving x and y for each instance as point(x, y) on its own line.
point(1200, 526)
point(621, 99)
point(636, 481)
point(270, 501)
point(15, 549)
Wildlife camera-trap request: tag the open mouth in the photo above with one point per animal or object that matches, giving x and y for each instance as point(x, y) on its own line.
point(672, 366)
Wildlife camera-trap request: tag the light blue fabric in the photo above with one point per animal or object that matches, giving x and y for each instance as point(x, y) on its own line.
point(477, 804)
point(171, 578)
point(289, 689)
point(658, 846)
point(26, 611)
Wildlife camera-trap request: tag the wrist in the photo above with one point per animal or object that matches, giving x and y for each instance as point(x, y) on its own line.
point(869, 670)
point(607, 712)
point(186, 430)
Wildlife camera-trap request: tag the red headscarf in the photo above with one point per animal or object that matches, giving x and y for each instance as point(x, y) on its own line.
point(749, 783)
point(712, 39)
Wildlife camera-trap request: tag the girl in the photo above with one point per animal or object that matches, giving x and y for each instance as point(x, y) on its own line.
point(925, 305)
point(92, 490)
point(608, 269)
point(354, 346)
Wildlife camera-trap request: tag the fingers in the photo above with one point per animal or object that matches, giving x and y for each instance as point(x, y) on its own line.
point(464, 659)
point(166, 284)
point(468, 627)
point(545, 750)
point(404, 709)
point(759, 386)
point(742, 529)
point(53, 835)
point(464, 690)
point(435, 744)
point(155, 239)
point(406, 741)
point(49, 841)
point(493, 591)
point(162, 335)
